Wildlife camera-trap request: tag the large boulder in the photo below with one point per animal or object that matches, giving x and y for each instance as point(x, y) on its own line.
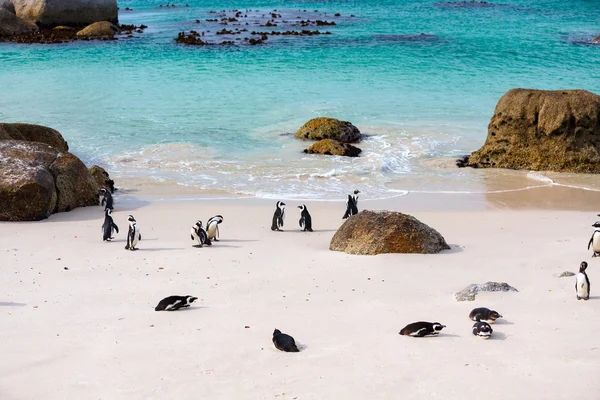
point(50, 13)
point(102, 29)
point(332, 147)
point(376, 232)
point(102, 178)
point(33, 133)
point(74, 184)
point(11, 25)
point(329, 128)
point(543, 130)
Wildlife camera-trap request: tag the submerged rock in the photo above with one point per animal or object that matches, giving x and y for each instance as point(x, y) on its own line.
point(332, 147)
point(33, 133)
point(470, 292)
point(51, 13)
point(102, 29)
point(377, 232)
point(329, 128)
point(543, 130)
point(596, 40)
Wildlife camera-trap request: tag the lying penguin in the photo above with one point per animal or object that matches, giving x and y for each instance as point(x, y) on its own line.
point(482, 330)
point(305, 219)
point(582, 283)
point(484, 314)
point(594, 242)
point(421, 329)
point(173, 303)
point(199, 235)
point(284, 342)
point(278, 216)
point(109, 226)
point(212, 227)
point(133, 235)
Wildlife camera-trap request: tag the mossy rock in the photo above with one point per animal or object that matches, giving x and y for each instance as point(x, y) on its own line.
point(377, 232)
point(102, 29)
point(329, 128)
point(332, 147)
point(101, 178)
point(74, 184)
point(543, 131)
point(33, 133)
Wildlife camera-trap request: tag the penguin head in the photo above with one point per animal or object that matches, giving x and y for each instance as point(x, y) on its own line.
point(276, 332)
point(199, 224)
point(356, 191)
point(596, 225)
point(190, 299)
point(583, 266)
point(281, 205)
point(302, 207)
point(494, 315)
point(130, 218)
point(218, 218)
point(102, 191)
point(438, 327)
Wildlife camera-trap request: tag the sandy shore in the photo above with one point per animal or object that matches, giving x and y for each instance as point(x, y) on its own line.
point(90, 331)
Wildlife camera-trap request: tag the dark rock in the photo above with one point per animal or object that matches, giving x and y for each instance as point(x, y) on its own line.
point(470, 292)
point(329, 128)
point(332, 147)
point(10, 24)
point(33, 133)
point(462, 162)
point(377, 232)
point(75, 186)
point(102, 178)
point(50, 13)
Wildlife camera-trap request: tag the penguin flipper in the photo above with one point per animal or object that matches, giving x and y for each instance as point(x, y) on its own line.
point(301, 222)
point(116, 227)
point(192, 236)
point(591, 240)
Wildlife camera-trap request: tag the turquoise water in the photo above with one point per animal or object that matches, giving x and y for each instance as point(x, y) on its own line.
point(212, 118)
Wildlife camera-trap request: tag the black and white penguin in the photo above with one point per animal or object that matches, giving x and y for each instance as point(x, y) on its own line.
point(582, 283)
point(278, 216)
point(173, 303)
point(212, 227)
point(109, 226)
point(420, 329)
point(351, 204)
point(484, 314)
point(133, 235)
point(107, 199)
point(199, 235)
point(305, 219)
point(482, 329)
point(594, 242)
point(284, 342)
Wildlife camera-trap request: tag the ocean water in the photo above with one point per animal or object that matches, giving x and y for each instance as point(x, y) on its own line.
point(419, 78)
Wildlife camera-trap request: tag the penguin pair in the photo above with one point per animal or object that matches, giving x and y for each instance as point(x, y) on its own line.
point(351, 204)
point(582, 283)
point(305, 221)
point(594, 242)
point(483, 317)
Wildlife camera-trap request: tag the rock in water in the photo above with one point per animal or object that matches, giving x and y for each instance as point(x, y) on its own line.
point(329, 128)
point(543, 130)
point(102, 29)
point(596, 40)
point(51, 13)
point(377, 232)
point(34, 133)
point(332, 147)
point(470, 292)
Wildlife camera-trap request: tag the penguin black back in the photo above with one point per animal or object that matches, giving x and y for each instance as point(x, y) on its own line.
point(173, 303)
point(305, 219)
point(284, 342)
point(484, 314)
point(422, 329)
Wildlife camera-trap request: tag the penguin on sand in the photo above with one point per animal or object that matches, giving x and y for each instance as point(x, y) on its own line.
point(305, 219)
point(482, 330)
point(173, 303)
point(594, 242)
point(484, 314)
point(422, 329)
point(582, 283)
point(351, 204)
point(134, 235)
point(107, 199)
point(278, 216)
point(284, 342)
point(109, 226)
point(199, 235)
point(212, 227)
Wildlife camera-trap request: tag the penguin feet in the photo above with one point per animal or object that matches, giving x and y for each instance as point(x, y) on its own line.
point(126, 247)
point(198, 246)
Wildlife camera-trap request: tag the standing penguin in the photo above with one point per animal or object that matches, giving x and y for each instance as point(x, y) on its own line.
point(107, 199)
point(109, 226)
point(278, 216)
point(305, 219)
point(199, 235)
point(582, 283)
point(595, 240)
point(134, 235)
point(352, 204)
point(212, 227)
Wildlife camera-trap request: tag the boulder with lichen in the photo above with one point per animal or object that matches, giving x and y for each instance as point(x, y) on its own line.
point(332, 147)
point(329, 128)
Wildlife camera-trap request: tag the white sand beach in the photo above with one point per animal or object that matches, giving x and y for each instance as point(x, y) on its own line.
point(77, 317)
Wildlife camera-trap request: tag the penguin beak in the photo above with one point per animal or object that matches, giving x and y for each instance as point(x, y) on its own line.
point(299, 206)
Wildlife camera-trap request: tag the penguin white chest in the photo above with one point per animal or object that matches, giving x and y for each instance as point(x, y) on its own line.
point(212, 230)
point(582, 286)
point(596, 242)
point(135, 233)
point(195, 236)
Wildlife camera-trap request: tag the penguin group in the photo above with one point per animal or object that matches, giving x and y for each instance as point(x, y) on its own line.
point(109, 227)
point(203, 237)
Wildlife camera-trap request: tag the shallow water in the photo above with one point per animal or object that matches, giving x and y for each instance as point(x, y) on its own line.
point(421, 79)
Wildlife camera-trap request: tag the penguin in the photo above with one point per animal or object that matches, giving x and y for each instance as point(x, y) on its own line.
point(173, 303)
point(595, 240)
point(305, 219)
point(107, 199)
point(421, 329)
point(582, 283)
point(199, 235)
point(278, 217)
point(109, 226)
point(212, 227)
point(352, 204)
point(484, 314)
point(284, 342)
point(482, 329)
point(133, 235)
